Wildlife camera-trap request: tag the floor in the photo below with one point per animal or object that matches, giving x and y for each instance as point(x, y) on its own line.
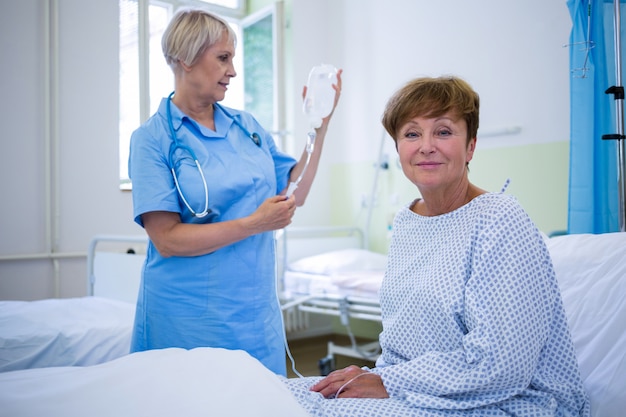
point(308, 352)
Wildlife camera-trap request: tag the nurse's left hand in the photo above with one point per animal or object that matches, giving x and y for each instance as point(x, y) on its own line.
point(337, 88)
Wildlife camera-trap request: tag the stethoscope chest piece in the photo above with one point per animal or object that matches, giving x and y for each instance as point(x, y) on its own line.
point(256, 139)
point(254, 136)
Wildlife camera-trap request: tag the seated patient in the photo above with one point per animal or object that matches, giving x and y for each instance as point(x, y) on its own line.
point(473, 321)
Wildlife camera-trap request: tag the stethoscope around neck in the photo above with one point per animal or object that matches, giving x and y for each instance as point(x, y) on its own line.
point(176, 145)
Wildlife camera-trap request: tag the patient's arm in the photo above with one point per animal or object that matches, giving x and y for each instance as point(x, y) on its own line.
point(351, 382)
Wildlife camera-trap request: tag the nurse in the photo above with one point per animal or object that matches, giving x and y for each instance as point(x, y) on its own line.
point(209, 276)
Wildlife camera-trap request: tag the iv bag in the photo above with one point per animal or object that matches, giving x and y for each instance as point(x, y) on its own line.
point(320, 95)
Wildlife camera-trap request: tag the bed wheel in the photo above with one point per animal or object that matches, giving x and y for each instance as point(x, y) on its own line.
point(326, 365)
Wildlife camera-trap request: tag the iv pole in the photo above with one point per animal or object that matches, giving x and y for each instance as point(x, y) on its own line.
point(618, 92)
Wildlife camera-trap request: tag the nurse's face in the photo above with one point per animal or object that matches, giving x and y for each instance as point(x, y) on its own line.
point(211, 74)
point(434, 152)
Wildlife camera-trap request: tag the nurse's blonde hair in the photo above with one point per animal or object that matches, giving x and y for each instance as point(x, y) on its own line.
point(190, 33)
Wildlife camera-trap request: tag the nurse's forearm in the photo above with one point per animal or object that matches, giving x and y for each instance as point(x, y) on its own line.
point(304, 187)
point(171, 237)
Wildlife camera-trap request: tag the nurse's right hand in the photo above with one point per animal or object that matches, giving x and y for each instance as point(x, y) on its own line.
point(275, 213)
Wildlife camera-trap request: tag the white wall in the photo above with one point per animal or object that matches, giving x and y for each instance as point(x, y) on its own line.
point(87, 199)
point(511, 52)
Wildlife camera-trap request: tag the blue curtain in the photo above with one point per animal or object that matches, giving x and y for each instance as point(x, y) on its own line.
point(593, 189)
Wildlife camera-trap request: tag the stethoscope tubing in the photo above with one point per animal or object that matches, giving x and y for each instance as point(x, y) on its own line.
point(177, 145)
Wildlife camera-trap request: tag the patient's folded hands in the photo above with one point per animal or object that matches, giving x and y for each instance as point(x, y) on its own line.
point(351, 382)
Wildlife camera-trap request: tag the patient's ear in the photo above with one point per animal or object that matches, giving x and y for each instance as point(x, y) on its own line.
point(471, 147)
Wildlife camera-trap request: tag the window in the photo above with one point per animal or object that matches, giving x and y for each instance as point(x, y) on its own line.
point(145, 78)
point(262, 57)
point(229, 4)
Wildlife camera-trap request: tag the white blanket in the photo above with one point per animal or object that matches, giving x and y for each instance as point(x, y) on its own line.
point(63, 332)
point(170, 382)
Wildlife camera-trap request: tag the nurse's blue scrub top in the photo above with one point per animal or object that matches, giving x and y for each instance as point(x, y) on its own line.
point(226, 298)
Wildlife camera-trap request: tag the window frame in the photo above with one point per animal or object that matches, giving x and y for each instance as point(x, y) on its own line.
point(235, 14)
point(232, 15)
point(276, 10)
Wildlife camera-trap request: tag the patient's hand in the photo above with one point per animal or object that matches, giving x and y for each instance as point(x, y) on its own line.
point(351, 382)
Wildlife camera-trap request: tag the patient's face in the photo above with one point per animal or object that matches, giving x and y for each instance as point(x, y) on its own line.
point(434, 152)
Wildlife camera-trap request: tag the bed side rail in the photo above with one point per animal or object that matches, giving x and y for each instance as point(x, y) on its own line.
point(121, 281)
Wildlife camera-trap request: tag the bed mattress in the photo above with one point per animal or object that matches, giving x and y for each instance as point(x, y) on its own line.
point(63, 332)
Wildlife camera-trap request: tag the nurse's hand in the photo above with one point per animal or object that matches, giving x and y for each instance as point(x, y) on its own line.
point(351, 382)
point(275, 213)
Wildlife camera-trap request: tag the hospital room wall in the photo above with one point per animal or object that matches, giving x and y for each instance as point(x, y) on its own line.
point(540, 186)
point(60, 170)
point(512, 53)
point(60, 118)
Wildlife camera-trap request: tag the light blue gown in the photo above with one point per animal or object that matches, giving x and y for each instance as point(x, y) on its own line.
point(473, 322)
point(226, 298)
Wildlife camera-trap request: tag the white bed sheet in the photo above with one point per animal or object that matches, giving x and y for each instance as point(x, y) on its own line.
point(62, 332)
point(169, 382)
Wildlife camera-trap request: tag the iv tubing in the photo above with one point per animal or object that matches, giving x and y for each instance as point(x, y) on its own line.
point(309, 150)
point(372, 200)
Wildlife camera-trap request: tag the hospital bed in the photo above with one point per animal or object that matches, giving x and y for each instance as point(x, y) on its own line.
point(81, 330)
point(328, 271)
point(591, 270)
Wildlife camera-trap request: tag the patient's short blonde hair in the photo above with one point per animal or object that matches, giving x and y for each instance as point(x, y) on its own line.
point(432, 97)
point(190, 33)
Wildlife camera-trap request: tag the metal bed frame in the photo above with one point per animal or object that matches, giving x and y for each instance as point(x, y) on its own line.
point(335, 305)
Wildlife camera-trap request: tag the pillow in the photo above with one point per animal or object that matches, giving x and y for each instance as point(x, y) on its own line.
point(591, 270)
point(336, 262)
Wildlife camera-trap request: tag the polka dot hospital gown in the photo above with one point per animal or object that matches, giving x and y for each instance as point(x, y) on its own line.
point(473, 322)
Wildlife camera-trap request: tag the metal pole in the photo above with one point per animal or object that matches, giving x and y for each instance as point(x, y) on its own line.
point(618, 92)
point(619, 106)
